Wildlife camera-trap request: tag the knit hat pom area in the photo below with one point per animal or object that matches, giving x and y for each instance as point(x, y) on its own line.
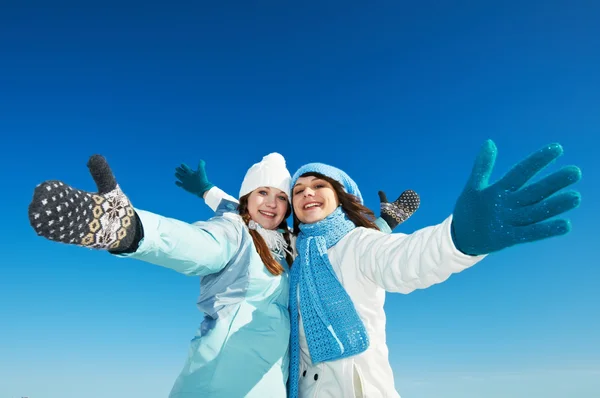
point(103, 220)
point(271, 172)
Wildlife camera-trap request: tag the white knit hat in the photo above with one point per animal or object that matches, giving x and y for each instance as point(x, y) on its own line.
point(270, 172)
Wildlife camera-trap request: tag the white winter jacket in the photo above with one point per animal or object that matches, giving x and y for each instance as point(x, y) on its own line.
point(368, 263)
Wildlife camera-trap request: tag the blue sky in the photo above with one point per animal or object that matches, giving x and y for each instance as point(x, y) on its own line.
point(400, 95)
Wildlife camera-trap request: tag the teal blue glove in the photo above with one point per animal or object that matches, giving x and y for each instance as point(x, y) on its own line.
point(193, 181)
point(488, 218)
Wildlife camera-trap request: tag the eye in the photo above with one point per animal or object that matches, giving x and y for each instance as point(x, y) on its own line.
point(320, 185)
point(283, 198)
point(262, 192)
point(298, 191)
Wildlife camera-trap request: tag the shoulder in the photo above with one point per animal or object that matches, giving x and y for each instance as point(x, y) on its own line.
point(361, 233)
point(361, 238)
point(229, 226)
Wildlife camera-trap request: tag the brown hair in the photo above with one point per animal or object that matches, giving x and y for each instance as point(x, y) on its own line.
point(259, 243)
point(359, 214)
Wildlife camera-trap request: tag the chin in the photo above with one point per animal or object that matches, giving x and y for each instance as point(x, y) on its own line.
point(270, 224)
point(312, 219)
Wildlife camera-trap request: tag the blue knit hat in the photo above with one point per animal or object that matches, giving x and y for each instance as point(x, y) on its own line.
point(331, 172)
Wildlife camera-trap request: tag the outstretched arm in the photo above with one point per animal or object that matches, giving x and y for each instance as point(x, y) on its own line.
point(402, 263)
point(106, 220)
point(487, 218)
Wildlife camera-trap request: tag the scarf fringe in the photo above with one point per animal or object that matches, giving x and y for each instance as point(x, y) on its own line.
point(273, 238)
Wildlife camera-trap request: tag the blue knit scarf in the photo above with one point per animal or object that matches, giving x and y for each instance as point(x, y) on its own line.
point(332, 327)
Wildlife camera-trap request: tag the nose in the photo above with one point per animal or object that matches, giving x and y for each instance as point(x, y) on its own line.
point(308, 192)
point(271, 202)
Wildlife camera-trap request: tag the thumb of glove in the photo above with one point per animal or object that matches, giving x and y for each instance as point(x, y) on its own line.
point(102, 174)
point(382, 197)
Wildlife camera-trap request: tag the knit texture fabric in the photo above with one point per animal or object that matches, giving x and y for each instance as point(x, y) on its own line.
point(490, 217)
point(332, 172)
point(401, 209)
point(103, 220)
point(332, 326)
point(194, 181)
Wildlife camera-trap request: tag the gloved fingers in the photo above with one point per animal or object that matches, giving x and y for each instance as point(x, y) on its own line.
point(102, 174)
point(179, 184)
point(180, 176)
point(408, 200)
point(60, 212)
point(483, 166)
point(546, 187)
point(543, 230)
point(527, 168)
point(45, 196)
point(201, 165)
point(382, 197)
point(186, 168)
point(548, 208)
point(180, 170)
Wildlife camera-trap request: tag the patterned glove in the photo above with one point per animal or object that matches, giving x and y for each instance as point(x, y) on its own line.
point(488, 218)
point(401, 209)
point(103, 220)
point(193, 181)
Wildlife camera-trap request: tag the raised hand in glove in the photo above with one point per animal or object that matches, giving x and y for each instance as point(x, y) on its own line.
point(193, 181)
point(102, 220)
point(488, 218)
point(400, 210)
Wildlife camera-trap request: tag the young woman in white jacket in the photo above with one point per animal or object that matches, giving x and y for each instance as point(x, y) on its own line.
point(344, 265)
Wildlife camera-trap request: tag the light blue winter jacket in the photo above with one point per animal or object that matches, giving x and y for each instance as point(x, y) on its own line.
point(241, 347)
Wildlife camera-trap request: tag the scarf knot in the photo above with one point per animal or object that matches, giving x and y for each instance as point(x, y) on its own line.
point(332, 327)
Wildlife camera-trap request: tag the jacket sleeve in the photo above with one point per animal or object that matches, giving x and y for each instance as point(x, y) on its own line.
point(192, 249)
point(402, 263)
point(215, 195)
point(383, 226)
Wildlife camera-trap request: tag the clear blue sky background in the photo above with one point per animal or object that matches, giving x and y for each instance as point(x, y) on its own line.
point(399, 94)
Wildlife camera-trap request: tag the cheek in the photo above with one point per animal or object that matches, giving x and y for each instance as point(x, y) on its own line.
point(253, 205)
point(333, 199)
point(295, 206)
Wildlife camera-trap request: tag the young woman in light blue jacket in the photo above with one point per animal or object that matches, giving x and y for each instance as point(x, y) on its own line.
point(241, 255)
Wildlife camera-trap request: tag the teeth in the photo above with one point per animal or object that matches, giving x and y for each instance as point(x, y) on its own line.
point(308, 206)
point(268, 214)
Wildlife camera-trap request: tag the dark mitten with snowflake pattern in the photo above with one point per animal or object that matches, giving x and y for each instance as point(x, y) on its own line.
point(103, 220)
point(400, 210)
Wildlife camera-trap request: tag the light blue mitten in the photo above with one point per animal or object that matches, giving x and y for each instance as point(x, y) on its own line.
point(488, 218)
point(193, 181)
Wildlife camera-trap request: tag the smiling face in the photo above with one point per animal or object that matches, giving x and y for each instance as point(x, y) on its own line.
point(267, 206)
point(313, 199)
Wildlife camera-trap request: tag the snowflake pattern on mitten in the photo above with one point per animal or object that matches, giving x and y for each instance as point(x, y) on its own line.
point(62, 213)
point(401, 209)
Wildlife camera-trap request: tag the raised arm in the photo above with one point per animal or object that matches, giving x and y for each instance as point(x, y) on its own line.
point(106, 220)
point(487, 218)
point(196, 182)
point(192, 249)
point(402, 263)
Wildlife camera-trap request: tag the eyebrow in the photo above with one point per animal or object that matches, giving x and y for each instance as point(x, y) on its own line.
point(314, 179)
